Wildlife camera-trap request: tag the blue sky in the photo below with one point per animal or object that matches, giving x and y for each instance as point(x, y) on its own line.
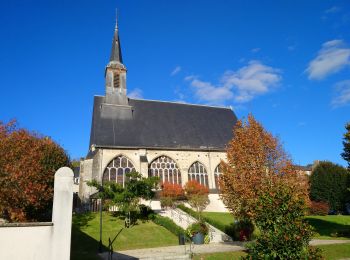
point(286, 62)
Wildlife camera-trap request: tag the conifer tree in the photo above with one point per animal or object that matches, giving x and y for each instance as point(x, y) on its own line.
point(346, 143)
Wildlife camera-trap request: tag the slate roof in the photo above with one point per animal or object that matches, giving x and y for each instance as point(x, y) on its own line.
point(164, 125)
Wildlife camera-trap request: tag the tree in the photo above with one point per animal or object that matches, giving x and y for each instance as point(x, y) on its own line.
point(197, 196)
point(346, 143)
point(171, 193)
point(127, 198)
point(28, 163)
point(260, 184)
point(329, 183)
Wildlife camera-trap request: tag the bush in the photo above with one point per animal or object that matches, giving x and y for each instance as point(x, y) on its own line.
point(167, 223)
point(243, 230)
point(280, 218)
point(197, 227)
point(329, 183)
point(319, 208)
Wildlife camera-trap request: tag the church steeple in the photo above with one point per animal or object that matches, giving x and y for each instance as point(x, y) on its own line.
point(115, 74)
point(116, 52)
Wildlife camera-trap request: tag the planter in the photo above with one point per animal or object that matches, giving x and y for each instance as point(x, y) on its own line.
point(198, 239)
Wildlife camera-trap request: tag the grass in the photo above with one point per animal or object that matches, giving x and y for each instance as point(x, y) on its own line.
point(224, 218)
point(326, 227)
point(85, 235)
point(337, 251)
point(330, 227)
point(330, 252)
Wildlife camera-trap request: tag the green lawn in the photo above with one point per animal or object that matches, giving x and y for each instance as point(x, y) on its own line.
point(339, 251)
point(330, 252)
point(222, 217)
point(326, 227)
point(331, 227)
point(85, 235)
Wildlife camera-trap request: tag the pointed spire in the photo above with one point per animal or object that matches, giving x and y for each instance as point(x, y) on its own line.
point(116, 53)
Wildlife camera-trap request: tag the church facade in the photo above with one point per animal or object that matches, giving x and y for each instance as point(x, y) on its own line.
point(176, 142)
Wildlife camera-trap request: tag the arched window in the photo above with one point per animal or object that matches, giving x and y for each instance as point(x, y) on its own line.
point(116, 170)
point(198, 172)
point(217, 173)
point(166, 169)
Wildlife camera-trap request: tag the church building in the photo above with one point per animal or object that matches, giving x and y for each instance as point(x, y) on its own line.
point(176, 142)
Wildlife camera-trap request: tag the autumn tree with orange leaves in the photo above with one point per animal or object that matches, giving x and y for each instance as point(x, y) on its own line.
point(171, 192)
point(28, 163)
point(197, 196)
point(259, 183)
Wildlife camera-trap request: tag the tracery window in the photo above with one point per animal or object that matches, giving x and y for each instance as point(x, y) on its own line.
point(217, 174)
point(198, 172)
point(166, 169)
point(116, 170)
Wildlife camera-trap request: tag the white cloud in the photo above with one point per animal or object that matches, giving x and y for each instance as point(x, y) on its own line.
point(239, 86)
point(332, 10)
point(342, 94)
point(291, 47)
point(175, 71)
point(255, 50)
point(333, 56)
point(136, 93)
point(211, 94)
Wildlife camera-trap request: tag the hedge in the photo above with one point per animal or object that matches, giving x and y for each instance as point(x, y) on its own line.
point(167, 223)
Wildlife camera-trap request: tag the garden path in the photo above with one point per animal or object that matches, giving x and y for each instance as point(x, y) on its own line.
point(183, 252)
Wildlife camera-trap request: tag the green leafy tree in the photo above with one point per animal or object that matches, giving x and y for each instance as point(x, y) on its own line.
point(329, 183)
point(127, 198)
point(28, 162)
point(346, 144)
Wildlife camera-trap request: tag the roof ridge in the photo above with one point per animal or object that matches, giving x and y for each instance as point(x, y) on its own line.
point(181, 103)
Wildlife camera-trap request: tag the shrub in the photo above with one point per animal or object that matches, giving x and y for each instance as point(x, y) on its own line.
point(284, 232)
point(28, 163)
point(242, 230)
point(197, 227)
point(319, 208)
point(329, 183)
point(167, 223)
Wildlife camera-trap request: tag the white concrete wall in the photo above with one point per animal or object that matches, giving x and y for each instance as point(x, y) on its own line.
point(43, 241)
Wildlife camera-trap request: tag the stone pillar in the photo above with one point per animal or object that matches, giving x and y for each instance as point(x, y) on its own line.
point(62, 214)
